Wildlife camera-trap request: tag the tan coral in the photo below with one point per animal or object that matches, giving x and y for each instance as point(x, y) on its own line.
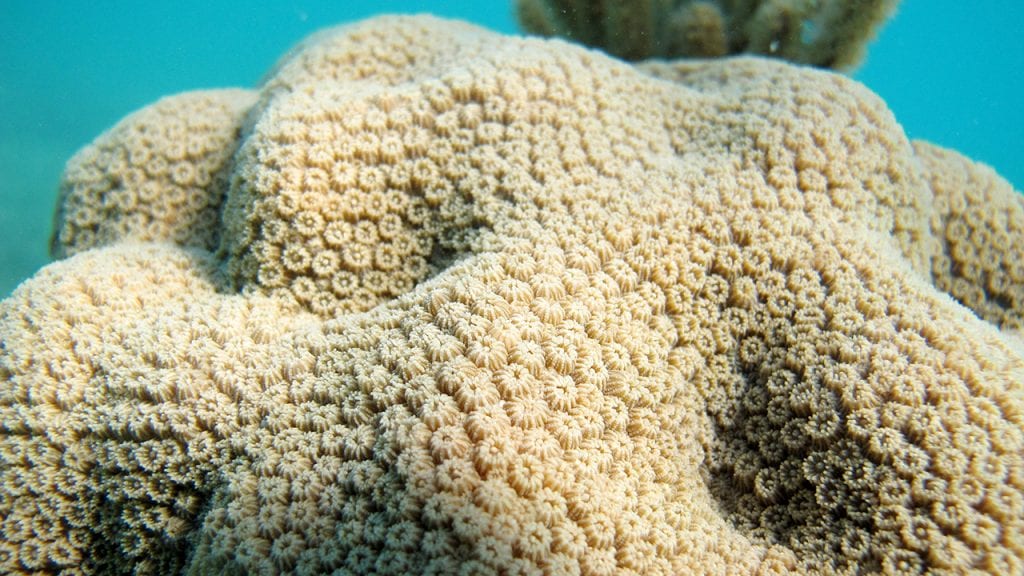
point(677, 319)
point(825, 33)
point(158, 175)
point(977, 215)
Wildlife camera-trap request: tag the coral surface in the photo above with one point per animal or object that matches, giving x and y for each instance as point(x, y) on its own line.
point(159, 175)
point(826, 33)
point(479, 304)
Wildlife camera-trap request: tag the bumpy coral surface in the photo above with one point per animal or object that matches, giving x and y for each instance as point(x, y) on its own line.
point(826, 33)
point(492, 305)
point(159, 175)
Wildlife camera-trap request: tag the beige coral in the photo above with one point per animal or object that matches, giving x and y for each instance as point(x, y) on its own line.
point(682, 318)
point(158, 175)
point(826, 33)
point(977, 215)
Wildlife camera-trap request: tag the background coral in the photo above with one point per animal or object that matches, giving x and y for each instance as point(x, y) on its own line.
point(686, 318)
point(826, 33)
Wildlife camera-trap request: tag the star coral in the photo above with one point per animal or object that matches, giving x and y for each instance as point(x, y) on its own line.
point(494, 305)
point(158, 175)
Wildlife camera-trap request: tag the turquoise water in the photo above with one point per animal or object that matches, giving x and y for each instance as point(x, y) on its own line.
point(69, 70)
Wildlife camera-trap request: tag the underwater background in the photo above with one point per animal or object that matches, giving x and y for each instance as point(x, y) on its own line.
point(951, 71)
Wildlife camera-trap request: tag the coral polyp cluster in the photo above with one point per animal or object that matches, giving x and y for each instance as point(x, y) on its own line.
point(436, 301)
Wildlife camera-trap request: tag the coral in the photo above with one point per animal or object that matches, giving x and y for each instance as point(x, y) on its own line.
point(158, 175)
point(496, 305)
point(976, 216)
point(825, 33)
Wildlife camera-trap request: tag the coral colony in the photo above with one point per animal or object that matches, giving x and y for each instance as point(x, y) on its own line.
point(432, 300)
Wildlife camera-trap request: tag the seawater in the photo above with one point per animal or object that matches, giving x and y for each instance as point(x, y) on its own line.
point(952, 72)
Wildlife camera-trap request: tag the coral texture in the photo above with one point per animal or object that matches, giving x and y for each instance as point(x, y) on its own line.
point(977, 216)
point(825, 33)
point(159, 175)
point(496, 305)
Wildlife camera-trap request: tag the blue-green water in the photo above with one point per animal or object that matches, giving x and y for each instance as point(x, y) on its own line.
point(69, 70)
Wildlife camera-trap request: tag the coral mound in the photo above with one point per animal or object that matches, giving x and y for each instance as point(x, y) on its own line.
point(431, 300)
